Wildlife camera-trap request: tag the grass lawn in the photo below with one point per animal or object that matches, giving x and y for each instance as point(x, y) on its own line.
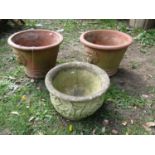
point(25, 106)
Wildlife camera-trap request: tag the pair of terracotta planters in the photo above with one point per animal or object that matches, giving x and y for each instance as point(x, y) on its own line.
point(37, 49)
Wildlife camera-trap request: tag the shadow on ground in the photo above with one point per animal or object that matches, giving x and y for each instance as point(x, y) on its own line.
point(130, 81)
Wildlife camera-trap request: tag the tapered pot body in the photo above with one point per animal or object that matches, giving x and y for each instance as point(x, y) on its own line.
point(105, 48)
point(36, 49)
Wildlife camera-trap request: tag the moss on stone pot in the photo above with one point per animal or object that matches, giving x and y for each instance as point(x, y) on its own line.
point(77, 89)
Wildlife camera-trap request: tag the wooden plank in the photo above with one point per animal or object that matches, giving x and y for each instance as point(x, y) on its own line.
point(142, 23)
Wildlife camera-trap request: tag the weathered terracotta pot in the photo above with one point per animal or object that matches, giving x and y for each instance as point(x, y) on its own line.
point(105, 48)
point(36, 49)
point(77, 89)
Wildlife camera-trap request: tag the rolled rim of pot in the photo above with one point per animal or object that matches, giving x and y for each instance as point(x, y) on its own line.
point(34, 39)
point(123, 39)
point(105, 81)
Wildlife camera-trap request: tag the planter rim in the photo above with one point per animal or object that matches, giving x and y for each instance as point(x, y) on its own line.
point(11, 42)
point(105, 81)
point(106, 47)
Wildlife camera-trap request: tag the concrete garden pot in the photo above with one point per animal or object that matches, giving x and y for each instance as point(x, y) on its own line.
point(77, 89)
point(36, 49)
point(105, 48)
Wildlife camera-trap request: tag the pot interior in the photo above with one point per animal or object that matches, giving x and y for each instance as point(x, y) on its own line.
point(77, 82)
point(106, 38)
point(36, 38)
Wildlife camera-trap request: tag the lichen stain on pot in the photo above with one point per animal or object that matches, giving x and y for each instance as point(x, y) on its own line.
point(105, 48)
point(77, 82)
point(77, 89)
point(107, 60)
point(36, 49)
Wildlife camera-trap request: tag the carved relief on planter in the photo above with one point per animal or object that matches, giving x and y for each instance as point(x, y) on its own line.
point(91, 55)
point(76, 110)
point(77, 89)
point(36, 49)
point(105, 48)
point(20, 57)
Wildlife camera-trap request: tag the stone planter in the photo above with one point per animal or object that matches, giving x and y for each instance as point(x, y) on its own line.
point(76, 89)
point(36, 49)
point(105, 48)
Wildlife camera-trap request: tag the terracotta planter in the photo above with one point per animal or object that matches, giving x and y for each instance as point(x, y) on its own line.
point(36, 49)
point(105, 48)
point(77, 89)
